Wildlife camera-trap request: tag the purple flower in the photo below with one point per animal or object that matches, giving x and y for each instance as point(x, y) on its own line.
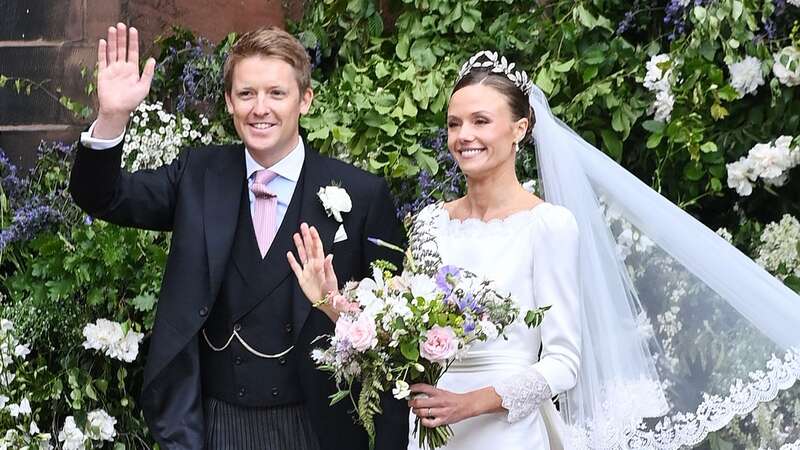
point(444, 277)
point(469, 326)
point(28, 221)
point(469, 302)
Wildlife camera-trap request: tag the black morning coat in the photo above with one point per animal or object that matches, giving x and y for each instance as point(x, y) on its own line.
point(197, 197)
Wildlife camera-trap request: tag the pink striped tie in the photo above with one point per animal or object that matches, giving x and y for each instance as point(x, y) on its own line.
point(265, 211)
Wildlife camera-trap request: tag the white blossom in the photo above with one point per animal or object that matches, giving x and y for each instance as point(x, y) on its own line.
point(22, 350)
point(746, 75)
point(335, 200)
point(662, 106)
point(23, 408)
point(401, 390)
point(739, 176)
point(787, 66)
point(100, 426)
point(779, 247)
point(769, 162)
point(489, 329)
point(725, 234)
point(108, 337)
point(659, 72)
point(71, 436)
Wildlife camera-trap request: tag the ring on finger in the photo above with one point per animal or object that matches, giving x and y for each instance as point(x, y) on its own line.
point(429, 414)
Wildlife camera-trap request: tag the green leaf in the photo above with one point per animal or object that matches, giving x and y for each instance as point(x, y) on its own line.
point(693, 171)
point(565, 66)
point(410, 349)
point(339, 396)
point(544, 82)
point(654, 139)
point(144, 302)
point(401, 49)
point(708, 147)
point(613, 144)
point(90, 392)
point(700, 13)
point(468, 24)
point(3, 80)
point(653, 126)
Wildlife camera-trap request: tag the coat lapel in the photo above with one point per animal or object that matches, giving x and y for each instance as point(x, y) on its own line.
point(222, 195)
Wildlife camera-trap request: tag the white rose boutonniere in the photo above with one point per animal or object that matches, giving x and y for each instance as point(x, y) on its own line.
point(335, 200)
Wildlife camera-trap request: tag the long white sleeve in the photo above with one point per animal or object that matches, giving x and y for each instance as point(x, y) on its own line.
point(99, 144)
point(555, 283)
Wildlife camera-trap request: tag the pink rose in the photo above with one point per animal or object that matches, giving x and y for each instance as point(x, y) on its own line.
point(362, 334)
point(440, 344)
point(343, 325)
point(341, 304)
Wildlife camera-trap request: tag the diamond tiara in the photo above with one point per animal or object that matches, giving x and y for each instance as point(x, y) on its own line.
point(489, 60)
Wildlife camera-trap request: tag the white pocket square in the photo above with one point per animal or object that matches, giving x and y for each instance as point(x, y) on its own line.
point(341, 235)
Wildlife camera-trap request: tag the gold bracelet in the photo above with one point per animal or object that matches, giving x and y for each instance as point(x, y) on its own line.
point(322, 301)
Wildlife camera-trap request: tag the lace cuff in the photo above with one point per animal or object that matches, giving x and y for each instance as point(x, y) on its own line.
point(522, 393)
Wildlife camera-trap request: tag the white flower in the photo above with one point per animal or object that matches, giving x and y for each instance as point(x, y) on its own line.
point(33, 429)
point(72, 437)
point(769, 161)
point(100, 426)
point(725, 234)
point(662, 106)
point(24, 408)
point(779, 251)
point(423, 286)
point(6, 325)
point(489, 329)
point(787, 66)
point(22, 350)
point(108, 337)
point(401, 390)
point(530, 186)
point(794, 2)
point(335, 200)
point(739, 176)
point(658, 79)
point(746, 75)
point(3, 401)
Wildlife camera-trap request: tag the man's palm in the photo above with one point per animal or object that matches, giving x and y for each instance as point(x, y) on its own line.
point(120, 88)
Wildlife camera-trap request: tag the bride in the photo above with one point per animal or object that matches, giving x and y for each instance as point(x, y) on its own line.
point(659, 331)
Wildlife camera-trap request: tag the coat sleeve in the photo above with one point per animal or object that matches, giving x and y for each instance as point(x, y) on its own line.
point(144, 199)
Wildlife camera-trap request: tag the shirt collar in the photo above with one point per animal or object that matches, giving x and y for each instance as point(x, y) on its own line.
point(289, 167)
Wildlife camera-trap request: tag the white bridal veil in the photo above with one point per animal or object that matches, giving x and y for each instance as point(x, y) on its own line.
point(681, 332)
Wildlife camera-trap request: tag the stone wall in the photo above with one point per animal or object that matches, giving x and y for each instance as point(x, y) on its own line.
point(51, 41)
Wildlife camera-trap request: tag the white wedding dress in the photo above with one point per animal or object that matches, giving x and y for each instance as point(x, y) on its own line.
point(533, 255)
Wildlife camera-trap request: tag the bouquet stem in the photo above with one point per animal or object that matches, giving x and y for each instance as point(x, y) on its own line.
point(432, 438)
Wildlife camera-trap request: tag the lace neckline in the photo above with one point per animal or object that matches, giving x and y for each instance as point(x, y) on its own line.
point(529, 212)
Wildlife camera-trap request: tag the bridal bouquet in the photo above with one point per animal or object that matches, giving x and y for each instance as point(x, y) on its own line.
point(397, 330)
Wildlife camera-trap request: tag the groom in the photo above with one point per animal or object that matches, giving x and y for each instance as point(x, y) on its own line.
point(228, 364)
